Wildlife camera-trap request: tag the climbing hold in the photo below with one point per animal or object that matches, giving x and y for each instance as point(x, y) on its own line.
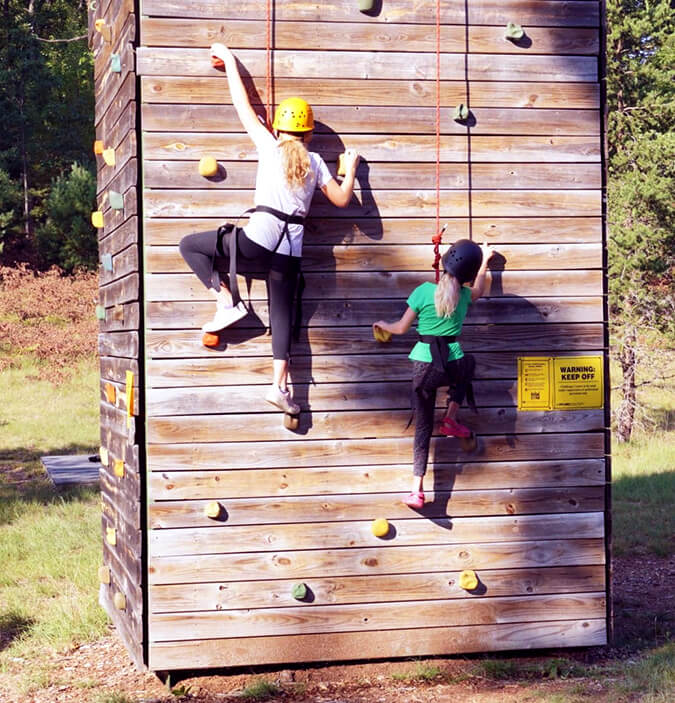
point(115, 63)
point(107, 262)
point(109, 156)
point(111, 536)
point(341, 171)
point(103, 455)
point(98, 147)
point(118, 468)
point(97, 218)
point(100, 312)
point(381, 335)
point(380, 527)
point(299, 591)
point(513, 31)
point(291, 422)
point(103, 29)
point(103, 574)
point(217, 62)
point(461, 113)
point(110, 393)
point(468, 444)
point(208, 166)
point(468, 580)
point(116, 200)
point(210, 339)
point(365, 5)
point(120, 601)
point(118, 313)
point(130, 396)
point(212, 509)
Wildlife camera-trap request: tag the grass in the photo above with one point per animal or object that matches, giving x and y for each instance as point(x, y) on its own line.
point(49, 540)
point(422, 672)
point(260, 690)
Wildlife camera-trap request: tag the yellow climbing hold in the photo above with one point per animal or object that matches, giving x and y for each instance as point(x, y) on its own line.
point(98, 147)
point(118, 468)
point(208, 166)
point(468, 580)
point(380, 527)
point(120, 601)
point(381, 335)
point(111, 536)
point(109, 156)
point(97, 218)
point(103, 29)
point(212, 509)
point(103, 455)
point(104, 574)
point(129, 396)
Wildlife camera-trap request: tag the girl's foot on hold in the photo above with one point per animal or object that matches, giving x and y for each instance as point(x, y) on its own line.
point(282, 400)
point(452, 428)
point(415, 499)
point(225, 317)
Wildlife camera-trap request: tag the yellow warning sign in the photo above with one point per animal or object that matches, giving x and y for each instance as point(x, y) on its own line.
point(578, 382)
point(534, 383)
point(560, 383)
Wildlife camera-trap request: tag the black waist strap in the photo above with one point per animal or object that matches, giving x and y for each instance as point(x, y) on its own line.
point(438, 346)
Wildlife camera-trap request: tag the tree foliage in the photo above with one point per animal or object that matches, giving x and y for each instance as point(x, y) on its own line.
point(641, 168)
point(46, 111)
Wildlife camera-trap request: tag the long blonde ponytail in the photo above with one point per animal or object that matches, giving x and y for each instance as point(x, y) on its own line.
point(295, 162)
point(447, 294)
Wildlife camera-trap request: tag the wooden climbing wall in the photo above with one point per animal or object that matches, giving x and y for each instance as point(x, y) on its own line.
point(528, 510)
point(119, 340)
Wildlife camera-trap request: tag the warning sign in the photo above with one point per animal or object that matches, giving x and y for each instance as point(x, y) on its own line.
point(578, 382)
point(560, 383)
point(534, 383)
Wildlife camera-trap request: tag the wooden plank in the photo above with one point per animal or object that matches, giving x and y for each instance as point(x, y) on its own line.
point(344, 562)
point(177, 89)
point(373, 65)
point(374, 616)
point(133, 644)
point(124, 262)
point(124, 178)
point(323, 480)
point(386, 257)
point(217, 455)
point(118, 344)
point(191, 146)
point(242, 33)
point(123, 290)
point(505, 310)
point(114, 369)
point(399, 284)
point(113, 108)
point(125, 235)
point(113, 129)
point(363, 230)
point(350, 119)
point(368, 589)
point(357, 424)
point(405, 533)
point(121, 317)
point(492, 12)
point(364, 645)
point(176, 373)
point(440, 504)
point(509, 176)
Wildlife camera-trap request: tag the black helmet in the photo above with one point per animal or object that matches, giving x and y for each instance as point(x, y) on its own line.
point(462, 260)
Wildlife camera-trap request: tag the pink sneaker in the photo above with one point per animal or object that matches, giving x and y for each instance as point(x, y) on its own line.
point(452, 428)
point(415, 500)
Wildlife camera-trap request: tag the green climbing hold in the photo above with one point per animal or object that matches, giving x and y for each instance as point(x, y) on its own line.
point(365, 5)
point(116, 200)
point(514, 31)
point(106, 261)
point(100, 312)
point(115, 63)
point(461, 113)
point(299, 591)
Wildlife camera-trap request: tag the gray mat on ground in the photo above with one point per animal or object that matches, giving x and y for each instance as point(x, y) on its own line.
point(68, 470)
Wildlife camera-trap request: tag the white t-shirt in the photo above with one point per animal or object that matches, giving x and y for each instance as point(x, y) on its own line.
point(272, 190)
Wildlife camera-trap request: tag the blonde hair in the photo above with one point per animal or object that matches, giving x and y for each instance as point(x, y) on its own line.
point(447, 294)
point(295, 162)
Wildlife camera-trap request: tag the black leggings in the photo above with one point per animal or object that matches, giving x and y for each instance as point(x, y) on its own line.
point(282, 275)
point(426, 381)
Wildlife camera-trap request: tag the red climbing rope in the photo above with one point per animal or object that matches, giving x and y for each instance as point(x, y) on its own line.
point(438, 238)
point(268, 56)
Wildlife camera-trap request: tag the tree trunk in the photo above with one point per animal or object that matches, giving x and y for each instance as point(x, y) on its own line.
point(628, 360)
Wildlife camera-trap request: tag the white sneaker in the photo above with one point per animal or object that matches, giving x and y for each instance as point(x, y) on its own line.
point(225, 317)
point(282, 400)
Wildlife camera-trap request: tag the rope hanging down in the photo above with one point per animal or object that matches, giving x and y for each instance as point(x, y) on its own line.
point(268, 59)
point(438, 238)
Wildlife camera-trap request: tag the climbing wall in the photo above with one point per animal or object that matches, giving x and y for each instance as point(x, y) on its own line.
point(112, 33)
point(527, 510)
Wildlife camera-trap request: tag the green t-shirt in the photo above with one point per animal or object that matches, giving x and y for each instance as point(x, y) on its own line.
point(421, 300)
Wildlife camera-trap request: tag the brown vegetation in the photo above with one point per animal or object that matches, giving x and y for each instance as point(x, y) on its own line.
point(49, 317)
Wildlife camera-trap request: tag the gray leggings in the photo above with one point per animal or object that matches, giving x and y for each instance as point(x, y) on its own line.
point(426, 381)
point(281, 270)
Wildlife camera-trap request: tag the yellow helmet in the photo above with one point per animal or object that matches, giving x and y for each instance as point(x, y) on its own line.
point(294, 115)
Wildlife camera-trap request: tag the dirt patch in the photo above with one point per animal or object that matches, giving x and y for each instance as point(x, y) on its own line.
point(644, 607)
